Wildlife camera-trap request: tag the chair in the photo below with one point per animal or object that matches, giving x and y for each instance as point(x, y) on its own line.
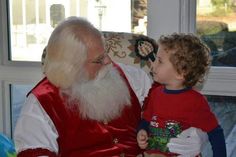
point(132, 49)
point(128, 48)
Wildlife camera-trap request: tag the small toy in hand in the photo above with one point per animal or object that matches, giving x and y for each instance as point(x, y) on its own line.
point(146, 48)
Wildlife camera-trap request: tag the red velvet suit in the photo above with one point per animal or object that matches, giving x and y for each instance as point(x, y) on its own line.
point(88, 138)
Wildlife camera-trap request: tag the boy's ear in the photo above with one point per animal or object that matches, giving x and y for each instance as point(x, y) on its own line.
point(180, 76)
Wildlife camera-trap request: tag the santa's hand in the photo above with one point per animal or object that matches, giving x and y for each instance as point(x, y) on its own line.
point(188, 143)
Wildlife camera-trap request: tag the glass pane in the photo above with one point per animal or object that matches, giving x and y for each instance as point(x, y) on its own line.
point(224, 108)
point(216, 25)
point(32, 21)
point(18, 95)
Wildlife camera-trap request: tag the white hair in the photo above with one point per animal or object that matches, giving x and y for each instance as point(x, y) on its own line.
point(67, 50)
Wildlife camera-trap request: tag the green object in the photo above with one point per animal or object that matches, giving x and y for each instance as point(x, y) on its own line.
point(159, 137)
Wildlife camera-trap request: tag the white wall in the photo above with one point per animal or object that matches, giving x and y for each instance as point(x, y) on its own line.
point(168, 16)
point(163, 17)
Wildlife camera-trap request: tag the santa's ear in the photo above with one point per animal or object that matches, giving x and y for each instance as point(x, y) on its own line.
point(62, 75)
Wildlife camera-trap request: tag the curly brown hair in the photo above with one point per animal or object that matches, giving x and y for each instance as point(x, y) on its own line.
point(189, 56)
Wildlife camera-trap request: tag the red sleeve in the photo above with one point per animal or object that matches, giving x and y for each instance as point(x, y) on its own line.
point(147, 105)
point(203, 117)
point(36, 152)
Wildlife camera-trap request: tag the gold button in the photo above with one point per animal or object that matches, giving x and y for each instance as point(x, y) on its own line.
point(115, 140)
point(105, 122)
point(122, 155)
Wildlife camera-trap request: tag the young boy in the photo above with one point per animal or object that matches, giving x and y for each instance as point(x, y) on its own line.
point(182, 61)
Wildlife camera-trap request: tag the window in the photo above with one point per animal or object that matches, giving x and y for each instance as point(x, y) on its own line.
point(32, 21)
point(217, 28)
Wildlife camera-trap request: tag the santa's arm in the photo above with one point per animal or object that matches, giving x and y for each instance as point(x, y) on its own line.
point(188, 143)
point(35, 134)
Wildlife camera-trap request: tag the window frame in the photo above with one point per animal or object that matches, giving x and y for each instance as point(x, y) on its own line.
point(6, 108)
point(220, 80)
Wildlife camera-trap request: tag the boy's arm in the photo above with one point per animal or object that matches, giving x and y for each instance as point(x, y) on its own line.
point(217, 140)
point(142, 134)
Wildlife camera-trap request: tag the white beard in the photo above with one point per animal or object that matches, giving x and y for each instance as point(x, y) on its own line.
point(103, 98)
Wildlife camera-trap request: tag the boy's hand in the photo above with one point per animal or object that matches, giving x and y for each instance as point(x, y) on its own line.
point(142, 138)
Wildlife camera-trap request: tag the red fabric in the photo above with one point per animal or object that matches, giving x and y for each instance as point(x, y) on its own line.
point(190, 108)
point(36, 152)
point(88, 138)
